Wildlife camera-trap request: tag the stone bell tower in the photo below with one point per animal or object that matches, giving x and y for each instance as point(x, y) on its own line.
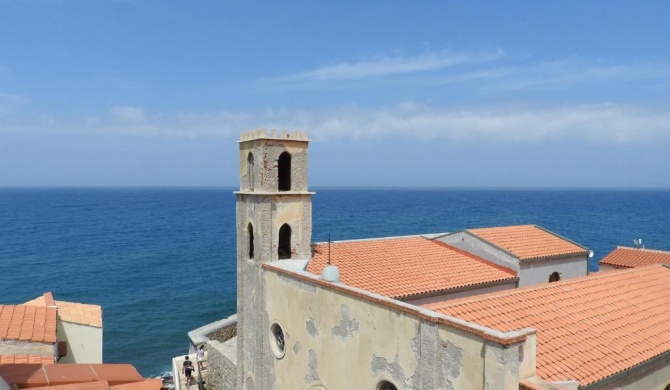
point(274, 223)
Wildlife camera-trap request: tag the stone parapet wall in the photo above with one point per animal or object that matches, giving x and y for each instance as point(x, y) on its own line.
point(222, 364)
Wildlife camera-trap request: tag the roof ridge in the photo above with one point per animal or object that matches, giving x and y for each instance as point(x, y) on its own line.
point(542, 286)
point(377, 239)
point(644, 249)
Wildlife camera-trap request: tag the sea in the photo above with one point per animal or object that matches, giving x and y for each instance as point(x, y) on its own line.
point(161, 261)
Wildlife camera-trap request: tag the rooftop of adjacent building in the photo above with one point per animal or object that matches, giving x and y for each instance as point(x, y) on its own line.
point(528, 242)
point(28, 323)
point(78, 313)
point(627, 257)
point(26, 359)
point(588, 328)
point(403, 267)
point(76, 376)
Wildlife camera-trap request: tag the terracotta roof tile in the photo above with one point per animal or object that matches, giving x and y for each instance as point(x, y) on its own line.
point(631, 257)
point(528, 241)
point(36, 375)
point(148, 384)
point(95, 385)
point(28, 323)
point(400, 267)
point(26, 359)
point(589, 327)
point(78, 313)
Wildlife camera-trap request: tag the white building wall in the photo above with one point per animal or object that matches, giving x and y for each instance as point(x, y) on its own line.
point(84, 343)
point(336, 340)
point(538, 271)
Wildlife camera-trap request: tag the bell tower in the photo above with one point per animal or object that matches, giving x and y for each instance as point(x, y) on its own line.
point(274, 223)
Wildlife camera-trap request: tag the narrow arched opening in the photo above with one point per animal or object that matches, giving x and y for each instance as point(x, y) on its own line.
point(250, 170)
point(284, 172)
point(250, 228)
point(554, 277)
point(386, 385)
point(284, 249)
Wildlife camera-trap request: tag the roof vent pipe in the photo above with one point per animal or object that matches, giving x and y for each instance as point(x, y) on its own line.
point(331, 273)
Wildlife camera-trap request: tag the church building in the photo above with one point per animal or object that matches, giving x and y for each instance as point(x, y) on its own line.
point(486, 308)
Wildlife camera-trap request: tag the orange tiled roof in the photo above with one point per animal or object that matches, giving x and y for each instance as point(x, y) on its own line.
point(528, 241)
point(405, 266)
point(28, 323)
point(30, 359)
point(588, 328)
point(630, 257)
point(35, 375)
point(78, 313)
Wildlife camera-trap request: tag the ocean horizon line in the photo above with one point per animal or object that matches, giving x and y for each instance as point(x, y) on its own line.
point(345, 187)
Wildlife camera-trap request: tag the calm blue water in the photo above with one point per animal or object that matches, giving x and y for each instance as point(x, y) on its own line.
point(162, 261)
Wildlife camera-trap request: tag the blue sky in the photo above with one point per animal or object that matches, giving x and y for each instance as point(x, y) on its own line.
point(431, 93)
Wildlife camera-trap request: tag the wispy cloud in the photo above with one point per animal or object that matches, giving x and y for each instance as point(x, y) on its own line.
point(127, 114)
point(604, 123)
point(10, 102)
point(390, 65)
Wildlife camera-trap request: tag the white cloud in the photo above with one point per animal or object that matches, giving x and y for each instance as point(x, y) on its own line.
point(428, 61)
point(604, 123)
point(127, 114)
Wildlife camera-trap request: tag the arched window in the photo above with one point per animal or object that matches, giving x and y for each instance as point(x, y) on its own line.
point(250, 170)
point(284, 172)
point(284, 250)
point(386, 385)
point(554, 277)
point(250, 228)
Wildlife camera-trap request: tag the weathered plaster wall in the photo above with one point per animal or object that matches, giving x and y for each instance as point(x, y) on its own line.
point(341, 341)
point(221, 364)
point(84, 343)
point(538, 271)
point(461, 294)
point(16, 347)
point(477, 247)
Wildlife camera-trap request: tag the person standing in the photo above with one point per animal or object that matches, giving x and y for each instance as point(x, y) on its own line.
point(187, 369)
point(200, 356)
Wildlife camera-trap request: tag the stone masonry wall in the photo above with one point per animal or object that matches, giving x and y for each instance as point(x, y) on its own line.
point(222, 364)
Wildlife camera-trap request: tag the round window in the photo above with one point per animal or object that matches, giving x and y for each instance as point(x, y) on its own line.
point(277, 341)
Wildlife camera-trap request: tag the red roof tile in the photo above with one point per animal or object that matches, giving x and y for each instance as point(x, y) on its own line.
point(78, 313)
point(528, 241)
point(148, 384)
point(28, 323)
point(405, 266)
point(26, 359)
point(36, 375)
point(631, 257)
point(589, 327)
point(95, 385)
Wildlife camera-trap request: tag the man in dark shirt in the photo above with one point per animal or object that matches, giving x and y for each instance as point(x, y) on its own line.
point(187, 369)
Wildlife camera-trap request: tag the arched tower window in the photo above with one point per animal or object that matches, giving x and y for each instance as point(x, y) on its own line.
point(250, 228)
point(250, 170)
point(386, 385)
point(284, 250)
point(554, 277)
point(284, 172)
